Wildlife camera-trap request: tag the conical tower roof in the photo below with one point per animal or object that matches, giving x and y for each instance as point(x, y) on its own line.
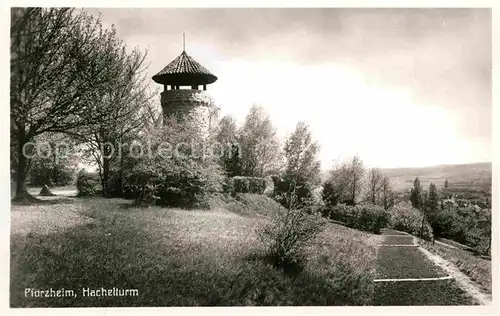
point(184, 71)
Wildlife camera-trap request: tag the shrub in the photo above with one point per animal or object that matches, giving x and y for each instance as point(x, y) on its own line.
point(240, 184)
point(329, 195)
point(366, 217)
point(269, 190)
point(291, 188)
point(87, 184)
point(408, 219)
point(288, 233)
point(183, 179)
point(470, 226)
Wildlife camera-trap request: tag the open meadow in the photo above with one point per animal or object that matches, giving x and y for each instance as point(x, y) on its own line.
point(176, 257)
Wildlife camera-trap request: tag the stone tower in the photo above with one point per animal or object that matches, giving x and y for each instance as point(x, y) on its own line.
point(184, 93)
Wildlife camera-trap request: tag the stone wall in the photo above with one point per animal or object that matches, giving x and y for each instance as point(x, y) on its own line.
point(193, 105)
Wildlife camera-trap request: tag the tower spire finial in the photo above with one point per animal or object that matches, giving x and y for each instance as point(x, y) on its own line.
point(183, 42)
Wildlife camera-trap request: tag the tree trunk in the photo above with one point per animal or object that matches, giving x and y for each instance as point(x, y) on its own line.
point(105, 175)
point(21, 170)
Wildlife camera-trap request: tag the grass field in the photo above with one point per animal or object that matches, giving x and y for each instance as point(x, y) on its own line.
point(177, 257)
point(441, 292)
point(398, 240)
point(476, 268)
point(405, 262)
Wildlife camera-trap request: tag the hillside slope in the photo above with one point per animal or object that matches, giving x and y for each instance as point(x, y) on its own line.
point(476, 176)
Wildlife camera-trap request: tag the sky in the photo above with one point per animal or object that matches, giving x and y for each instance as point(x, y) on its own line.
point(398, 87)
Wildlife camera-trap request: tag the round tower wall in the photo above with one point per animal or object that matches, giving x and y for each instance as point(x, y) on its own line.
point(192, 105)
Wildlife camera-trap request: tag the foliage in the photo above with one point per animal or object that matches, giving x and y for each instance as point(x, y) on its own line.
point(292, 190)
point(329, 195)
point(227, 137)
point(260, 149)
point(389, 196)
point(181, 177)
point(432, 201)
point(289, 232)
point(467, 225)
point(300, 153)
point(53, 164)
point(416, 195)
point(123, 109)
point(366, 217)
point(245, 185)
point(61, 62)
point(347, 180)
point(87, 184)
point(406, 218)
point(374, 186)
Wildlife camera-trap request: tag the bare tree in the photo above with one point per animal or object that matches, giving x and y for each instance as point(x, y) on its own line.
point(374, 185)
point(387, 192)
point(61, 60)
point(347, 180)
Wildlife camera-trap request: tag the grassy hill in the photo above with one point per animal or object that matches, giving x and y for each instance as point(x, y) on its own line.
point(175, 257)
point(471, 177)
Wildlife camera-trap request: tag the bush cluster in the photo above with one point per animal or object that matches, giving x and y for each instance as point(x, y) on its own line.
point(176, 183)
point(87, 184)
point(365, 217)
point(470, 226)
point(294, 190)
point(287, 235)
point(408, 219)
point(240, 184)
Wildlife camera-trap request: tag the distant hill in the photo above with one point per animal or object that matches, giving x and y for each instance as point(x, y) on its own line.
point(474, 176)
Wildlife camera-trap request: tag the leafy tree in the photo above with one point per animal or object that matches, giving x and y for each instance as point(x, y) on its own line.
point(123, 110)
point(329, 194)
point(300, 153)
point(302, 169)
point(227, 138)
point(432, 201)
point(446, 183)
point(172, 175)
point(61, 61)
point(260, 150)
point(416, 195)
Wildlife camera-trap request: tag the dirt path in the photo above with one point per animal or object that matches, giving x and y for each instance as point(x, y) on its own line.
point(406, 276)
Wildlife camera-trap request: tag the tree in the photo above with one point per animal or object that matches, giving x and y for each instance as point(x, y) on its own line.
point(61, 60)
point(416, 195)
point(446, 183)
point(432, 201)
point(302, 169)
point(347, 180)
point(374, 185)
point(329, 194)
point(260, 149)
point(55, 164)
point(388, 194)
point(227, 138)
point(300, 155)
point(123, 111)
point(177, 177)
